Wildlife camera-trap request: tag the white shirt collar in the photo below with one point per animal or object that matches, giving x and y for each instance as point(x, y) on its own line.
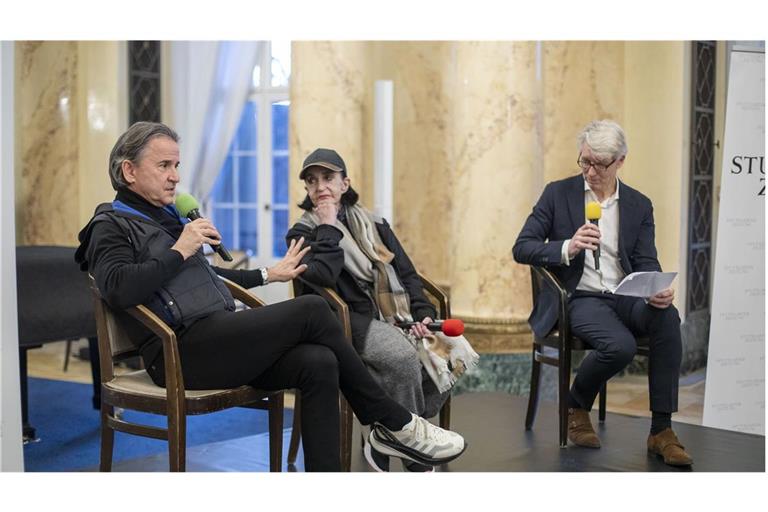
point(614, 197)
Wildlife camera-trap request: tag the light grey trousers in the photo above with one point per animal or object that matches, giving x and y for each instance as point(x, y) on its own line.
point(394, 363)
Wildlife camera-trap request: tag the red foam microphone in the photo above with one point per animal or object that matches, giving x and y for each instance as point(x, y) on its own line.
point(449, 327)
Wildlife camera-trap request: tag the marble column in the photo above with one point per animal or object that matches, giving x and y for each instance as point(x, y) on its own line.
point(423, 80)
point(581, 81)
point(494, 155)
point(47, 209)
point(70, 109)
point(328, 99)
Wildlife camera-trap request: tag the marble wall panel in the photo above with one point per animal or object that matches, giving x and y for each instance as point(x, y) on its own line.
point(657, 119)
point(494, 150)
point(71, 107)
point(103, 113)
point(581, 81)
point(47, 208)
point(328, 100)
point(422, 76)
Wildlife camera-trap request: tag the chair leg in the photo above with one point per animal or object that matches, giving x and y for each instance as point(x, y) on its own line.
point(533, 395)
point(67, 353)
point(177, 442)
point(107, 439)
point(275, 407)
point(603, 397)
point(293, 447)
point(345, 435)
point(93, 353)
point(445, 414)
point(564, 378)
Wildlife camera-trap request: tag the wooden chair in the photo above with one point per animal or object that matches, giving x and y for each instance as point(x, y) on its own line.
point(555, 350)
point(136, 391)
point(342, 313)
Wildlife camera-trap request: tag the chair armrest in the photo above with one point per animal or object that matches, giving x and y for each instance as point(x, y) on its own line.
point(174, 380)
point(243, 295)
point(152, 322)
point(334, 300)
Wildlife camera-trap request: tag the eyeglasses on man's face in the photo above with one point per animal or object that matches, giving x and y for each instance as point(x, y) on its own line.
point(585, 164)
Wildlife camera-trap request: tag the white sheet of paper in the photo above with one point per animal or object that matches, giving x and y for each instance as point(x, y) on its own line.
point(645, 284)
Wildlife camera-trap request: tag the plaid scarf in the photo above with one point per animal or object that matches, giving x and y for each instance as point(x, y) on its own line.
point(368, 259)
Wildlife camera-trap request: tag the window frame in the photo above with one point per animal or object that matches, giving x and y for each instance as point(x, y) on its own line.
point(263, 96)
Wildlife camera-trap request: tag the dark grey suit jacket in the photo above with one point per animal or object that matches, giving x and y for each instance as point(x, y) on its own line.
point(556, 217)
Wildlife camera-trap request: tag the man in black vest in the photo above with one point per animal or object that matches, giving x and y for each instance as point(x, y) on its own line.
point(140, 251)
point(556, 236)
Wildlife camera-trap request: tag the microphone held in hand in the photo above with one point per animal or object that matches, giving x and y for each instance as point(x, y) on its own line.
point(450, 327)
point(593, 214)
point(188, 207)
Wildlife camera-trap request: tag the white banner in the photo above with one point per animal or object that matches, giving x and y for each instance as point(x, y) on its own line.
point(735, 391)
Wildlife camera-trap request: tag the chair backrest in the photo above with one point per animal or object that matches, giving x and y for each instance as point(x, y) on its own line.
point(116, 338)
point(441, 298)
point(535, 284)
point(543, 279)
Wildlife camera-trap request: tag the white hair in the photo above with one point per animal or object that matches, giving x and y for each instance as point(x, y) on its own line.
point(605, 138)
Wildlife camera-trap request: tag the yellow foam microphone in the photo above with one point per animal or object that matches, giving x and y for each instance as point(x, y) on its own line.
point(593, 212)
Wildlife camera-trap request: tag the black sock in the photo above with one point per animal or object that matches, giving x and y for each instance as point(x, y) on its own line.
point(660, 421)
point(572, 403)
point(397, 419)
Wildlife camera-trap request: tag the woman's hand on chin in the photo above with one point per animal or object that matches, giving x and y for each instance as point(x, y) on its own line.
point(327, 211)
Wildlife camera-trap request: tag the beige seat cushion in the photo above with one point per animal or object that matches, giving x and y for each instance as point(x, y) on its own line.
point(140, 382)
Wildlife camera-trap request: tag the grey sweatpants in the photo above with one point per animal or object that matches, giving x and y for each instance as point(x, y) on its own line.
point(394, 363)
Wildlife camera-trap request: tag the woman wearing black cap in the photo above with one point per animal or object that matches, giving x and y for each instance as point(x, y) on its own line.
point(356, 253)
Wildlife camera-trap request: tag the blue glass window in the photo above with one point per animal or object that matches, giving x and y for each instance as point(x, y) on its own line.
point(280, 111)
point(248, 187)
point(280, 125)
point(249, 228)
point(223, 189)
point(224, 220)
point(280, 180)
point(247, 131)
point(279, 229)
point(236, 204)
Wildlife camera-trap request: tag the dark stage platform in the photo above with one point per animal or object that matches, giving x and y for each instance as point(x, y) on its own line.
point(492, 423)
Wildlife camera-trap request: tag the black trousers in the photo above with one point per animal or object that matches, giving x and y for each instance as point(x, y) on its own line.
point(293, 344)
point(609, 324)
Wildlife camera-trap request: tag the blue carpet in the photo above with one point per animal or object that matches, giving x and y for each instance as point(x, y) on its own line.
point(68, 427)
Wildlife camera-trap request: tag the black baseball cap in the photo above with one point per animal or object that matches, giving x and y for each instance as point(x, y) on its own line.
point(322, 157)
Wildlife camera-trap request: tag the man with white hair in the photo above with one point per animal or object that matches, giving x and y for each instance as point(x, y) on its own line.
point(556, 235)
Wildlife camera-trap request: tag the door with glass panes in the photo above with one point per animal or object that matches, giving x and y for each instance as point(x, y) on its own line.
point(249, 201)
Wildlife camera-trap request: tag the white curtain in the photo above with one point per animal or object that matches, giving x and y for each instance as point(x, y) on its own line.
point(210, 82)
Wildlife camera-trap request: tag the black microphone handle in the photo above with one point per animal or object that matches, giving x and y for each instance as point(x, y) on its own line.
point(219, 249)
point(596, 252)
point(433, 326)
point(222, 251)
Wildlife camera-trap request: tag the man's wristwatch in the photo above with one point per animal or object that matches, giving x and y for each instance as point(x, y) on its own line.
point(264, 275)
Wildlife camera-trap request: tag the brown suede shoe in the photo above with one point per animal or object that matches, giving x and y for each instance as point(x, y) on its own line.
point(666, 444)
point(580, 431)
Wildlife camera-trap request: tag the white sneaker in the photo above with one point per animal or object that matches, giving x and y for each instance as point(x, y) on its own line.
point(419, 441)
point(378, 461)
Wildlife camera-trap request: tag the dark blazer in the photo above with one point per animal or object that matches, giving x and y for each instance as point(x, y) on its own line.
point(556, 217)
